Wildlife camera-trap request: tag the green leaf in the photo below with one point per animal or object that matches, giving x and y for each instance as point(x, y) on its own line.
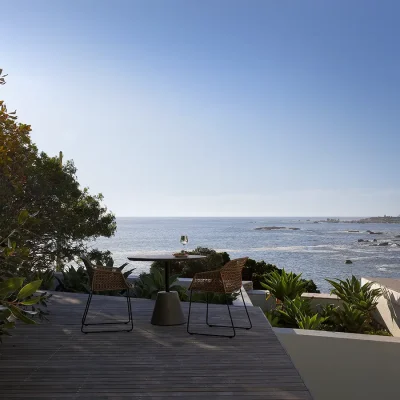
point(8, 325)
point(29, 289)
point(122, 266)
point(10, 285)
point(22, 217)
point(18, 314)
point(31, 301)
point(4, 314)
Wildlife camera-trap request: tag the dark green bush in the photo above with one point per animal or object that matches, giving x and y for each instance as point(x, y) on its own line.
point(149, 284)
point(77, 279)
point(188, 268)
point(213, 298)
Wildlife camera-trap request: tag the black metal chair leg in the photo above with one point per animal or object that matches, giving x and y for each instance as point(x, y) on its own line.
point(230, 316)
point(128, 299)
point(245, 307)
point(208, 334)
point(207, 310)
point(190, 307)
point(86, 310)
point(229, 326)
point(130, 318)
point(237, 327)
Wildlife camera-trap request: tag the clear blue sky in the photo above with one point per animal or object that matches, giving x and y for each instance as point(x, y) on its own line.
point(214, 108)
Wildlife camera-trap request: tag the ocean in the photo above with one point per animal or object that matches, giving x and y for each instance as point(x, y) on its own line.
point(317, 250)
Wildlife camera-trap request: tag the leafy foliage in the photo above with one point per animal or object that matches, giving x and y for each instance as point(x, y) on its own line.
point(63, 216)
point(188, 268)
point(273, 318)
point(17, 302)
point(362, 297)
point(354, 316)
point(213, 298)
point(292, 310)
point(313, 322)
point(77, 279)
point(359, 302)
point(295, 313)
point(47, 277)
point(258, 272)
point(149, 284)
point(346, 319)
point(284, 285)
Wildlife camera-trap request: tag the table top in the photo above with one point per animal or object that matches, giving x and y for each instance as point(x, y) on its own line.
point(164, 257)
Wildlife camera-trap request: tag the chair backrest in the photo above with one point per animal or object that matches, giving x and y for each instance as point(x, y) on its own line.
point(89, 268)
point(232, 274)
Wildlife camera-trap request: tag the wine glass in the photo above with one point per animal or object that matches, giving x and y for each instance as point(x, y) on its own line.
point(184, 240)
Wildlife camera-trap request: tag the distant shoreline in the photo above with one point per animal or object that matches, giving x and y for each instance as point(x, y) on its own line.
point(371, 220)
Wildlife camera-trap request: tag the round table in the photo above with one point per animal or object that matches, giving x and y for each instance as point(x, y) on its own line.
point(167, 310)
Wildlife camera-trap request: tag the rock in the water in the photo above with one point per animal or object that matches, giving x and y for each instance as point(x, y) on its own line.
point(383, 244)
point(274, 228)
point(348, 262)
point(361, 240)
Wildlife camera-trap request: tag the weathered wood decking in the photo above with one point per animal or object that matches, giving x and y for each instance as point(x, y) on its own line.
point(55, 360)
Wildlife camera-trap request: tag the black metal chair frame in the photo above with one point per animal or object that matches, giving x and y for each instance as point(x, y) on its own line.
point(130, 320)
point(219, 326)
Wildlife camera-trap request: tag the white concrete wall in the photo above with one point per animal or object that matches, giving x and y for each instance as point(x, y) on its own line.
point(342, 366)
point(388, 308)
point(259, 299)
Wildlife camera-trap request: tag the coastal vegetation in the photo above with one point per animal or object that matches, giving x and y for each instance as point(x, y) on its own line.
point(354, 315)
point(254, 271)
point(46, 219)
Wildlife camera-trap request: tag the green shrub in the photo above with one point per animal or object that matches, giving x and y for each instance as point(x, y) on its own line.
point(349, 319)
point(78, 279)
point(284, 285)
point(362, 297)
point(47, 278)
point(149, 284)
point(295, 313)
point(291, 310)
point(255, 268)
point(312, 322)
point(75, 280)
point(259, 271)
point(213, 298)
point(188, 268)
point(359, 302)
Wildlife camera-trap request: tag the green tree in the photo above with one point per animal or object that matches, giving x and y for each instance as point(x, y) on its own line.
point(63, 216)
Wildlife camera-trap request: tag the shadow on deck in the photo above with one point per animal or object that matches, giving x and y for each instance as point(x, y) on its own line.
point(55, 360)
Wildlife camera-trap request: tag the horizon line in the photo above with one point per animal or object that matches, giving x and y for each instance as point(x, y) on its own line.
point(247, 216)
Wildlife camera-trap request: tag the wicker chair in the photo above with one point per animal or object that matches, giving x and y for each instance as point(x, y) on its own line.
point(227, 280)
point(105, 279)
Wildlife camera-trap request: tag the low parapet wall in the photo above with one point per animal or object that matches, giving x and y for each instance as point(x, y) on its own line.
point(260, 299)
point(344, 366)
point(388, 308)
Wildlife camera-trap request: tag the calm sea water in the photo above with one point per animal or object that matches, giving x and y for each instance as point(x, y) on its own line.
point(318, 251)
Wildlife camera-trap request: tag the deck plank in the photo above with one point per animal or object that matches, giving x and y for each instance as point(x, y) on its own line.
point(55, 360)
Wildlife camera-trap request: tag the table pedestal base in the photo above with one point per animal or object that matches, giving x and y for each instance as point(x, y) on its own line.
point(168, 310)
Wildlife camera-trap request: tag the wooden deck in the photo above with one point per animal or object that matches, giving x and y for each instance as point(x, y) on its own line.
point(55, 360)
